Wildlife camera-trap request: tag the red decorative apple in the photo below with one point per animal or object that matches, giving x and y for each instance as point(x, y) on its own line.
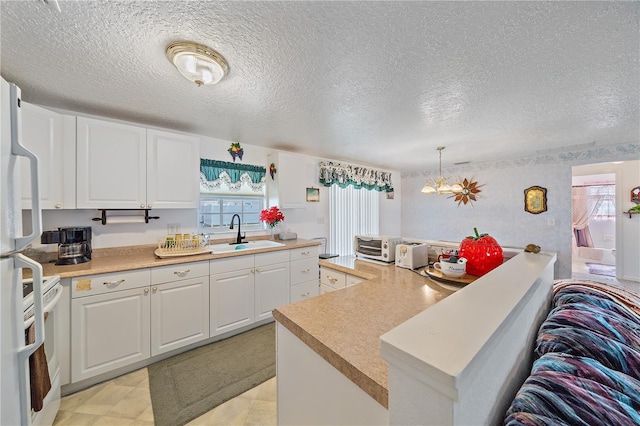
point(483, 253)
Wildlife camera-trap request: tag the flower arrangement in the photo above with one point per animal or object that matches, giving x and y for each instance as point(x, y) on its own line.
point(271, 216)
point(236, 150)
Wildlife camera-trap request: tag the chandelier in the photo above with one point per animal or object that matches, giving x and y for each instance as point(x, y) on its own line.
point(441, 185)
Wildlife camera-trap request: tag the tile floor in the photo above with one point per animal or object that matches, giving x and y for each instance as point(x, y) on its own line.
point(126, 400)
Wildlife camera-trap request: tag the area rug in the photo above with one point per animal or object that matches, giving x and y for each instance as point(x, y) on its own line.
point(600, 269)
point(188, 385)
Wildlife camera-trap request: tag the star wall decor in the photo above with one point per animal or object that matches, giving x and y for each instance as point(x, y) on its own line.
point(469, 192)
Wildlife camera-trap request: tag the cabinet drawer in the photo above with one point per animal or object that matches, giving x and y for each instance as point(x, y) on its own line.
point(304, 253)
point(326, 289)
point(304, 270)
point(105, 283)
point(182, 271)
point(353, 280)
point(332, 278)
point(304, 291)
point(229, 264)
point(272, 257)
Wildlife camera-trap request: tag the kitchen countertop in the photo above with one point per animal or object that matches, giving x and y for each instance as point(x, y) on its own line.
point(137, 257)
point(344, 326)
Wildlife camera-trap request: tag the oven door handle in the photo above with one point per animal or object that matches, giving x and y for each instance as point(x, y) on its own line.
point(22, 261)
point(48, 307)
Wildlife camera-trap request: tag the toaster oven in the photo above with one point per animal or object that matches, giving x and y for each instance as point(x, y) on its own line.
point(376, 247)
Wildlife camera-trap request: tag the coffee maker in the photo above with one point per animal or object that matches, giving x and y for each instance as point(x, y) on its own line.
point(74, 244)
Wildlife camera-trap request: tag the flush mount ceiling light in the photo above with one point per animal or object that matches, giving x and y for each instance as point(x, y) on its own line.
point(197, 63)
point(441, 185)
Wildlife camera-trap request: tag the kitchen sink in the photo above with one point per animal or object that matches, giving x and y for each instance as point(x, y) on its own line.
point(249, 245)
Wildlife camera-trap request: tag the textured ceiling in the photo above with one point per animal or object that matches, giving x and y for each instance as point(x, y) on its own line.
point(380, 83)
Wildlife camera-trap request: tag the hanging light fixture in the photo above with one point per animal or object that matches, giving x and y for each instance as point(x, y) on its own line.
point(441, 185)
point(197, 63)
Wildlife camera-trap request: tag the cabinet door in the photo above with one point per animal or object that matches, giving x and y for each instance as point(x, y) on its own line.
point(231, 300)
point(52, 138)
point(173, 170)
point(272, 289)
point(111, 165)
point(109, 331)
point(288, 190)
point(179, 314)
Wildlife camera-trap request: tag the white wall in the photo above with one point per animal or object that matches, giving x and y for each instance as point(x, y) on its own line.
point(500, 209)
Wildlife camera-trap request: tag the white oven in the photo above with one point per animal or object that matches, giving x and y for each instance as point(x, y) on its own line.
point(51, 293)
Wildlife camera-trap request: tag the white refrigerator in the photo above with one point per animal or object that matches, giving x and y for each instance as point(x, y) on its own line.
point(14, 352)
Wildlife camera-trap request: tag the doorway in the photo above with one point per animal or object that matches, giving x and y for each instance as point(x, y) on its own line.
point(594, 221)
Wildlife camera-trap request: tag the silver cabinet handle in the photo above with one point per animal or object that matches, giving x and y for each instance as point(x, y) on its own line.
point(305, 253)
point(154, 289)
point(305, 270)
point(257, 270)
point(58, 206)
point(142, 206)
point(253, 270)
point(332, 279)
point(113, 282)
point(146, 291)
point(305, 295)
point(148, 206)
point(182, 273)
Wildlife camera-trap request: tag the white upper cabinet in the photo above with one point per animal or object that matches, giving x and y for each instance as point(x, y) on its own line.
point(288, 188)
point(173, 170)
point(128, 167)
point(112, 165)
point(52, 138)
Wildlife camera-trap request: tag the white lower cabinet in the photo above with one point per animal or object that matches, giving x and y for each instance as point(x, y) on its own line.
point(304, 274)
point(179, 309)
point(231, 300)
point(332, 280)
point(121, 318)
point(245, 289)
point(271, 287)
point(109, 331)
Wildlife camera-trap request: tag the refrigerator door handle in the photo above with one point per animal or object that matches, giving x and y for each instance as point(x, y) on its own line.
point(22, 261)
point(18, 149)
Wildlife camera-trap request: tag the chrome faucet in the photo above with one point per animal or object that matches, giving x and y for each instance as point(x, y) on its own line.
point(240, 237)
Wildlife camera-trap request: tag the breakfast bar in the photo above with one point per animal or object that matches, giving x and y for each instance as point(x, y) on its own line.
point(400, 332)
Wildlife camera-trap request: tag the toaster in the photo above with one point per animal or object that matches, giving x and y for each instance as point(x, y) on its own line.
point(412, 255)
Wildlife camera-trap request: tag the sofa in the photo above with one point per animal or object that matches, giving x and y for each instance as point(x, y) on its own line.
point(586, 368)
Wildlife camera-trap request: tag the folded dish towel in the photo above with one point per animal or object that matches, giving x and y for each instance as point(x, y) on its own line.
point(40, 381)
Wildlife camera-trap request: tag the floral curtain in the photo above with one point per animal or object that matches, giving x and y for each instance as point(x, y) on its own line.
point(214, 174)
point(359, 177)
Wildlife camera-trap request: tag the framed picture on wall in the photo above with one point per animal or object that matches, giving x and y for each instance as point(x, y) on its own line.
point(535, 199)
point(313, 195)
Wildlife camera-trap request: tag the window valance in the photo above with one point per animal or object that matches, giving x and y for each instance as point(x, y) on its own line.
point(214, 173)
point(359, 177)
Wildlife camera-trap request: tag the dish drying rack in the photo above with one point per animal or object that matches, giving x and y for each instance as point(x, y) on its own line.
point(168, 247)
